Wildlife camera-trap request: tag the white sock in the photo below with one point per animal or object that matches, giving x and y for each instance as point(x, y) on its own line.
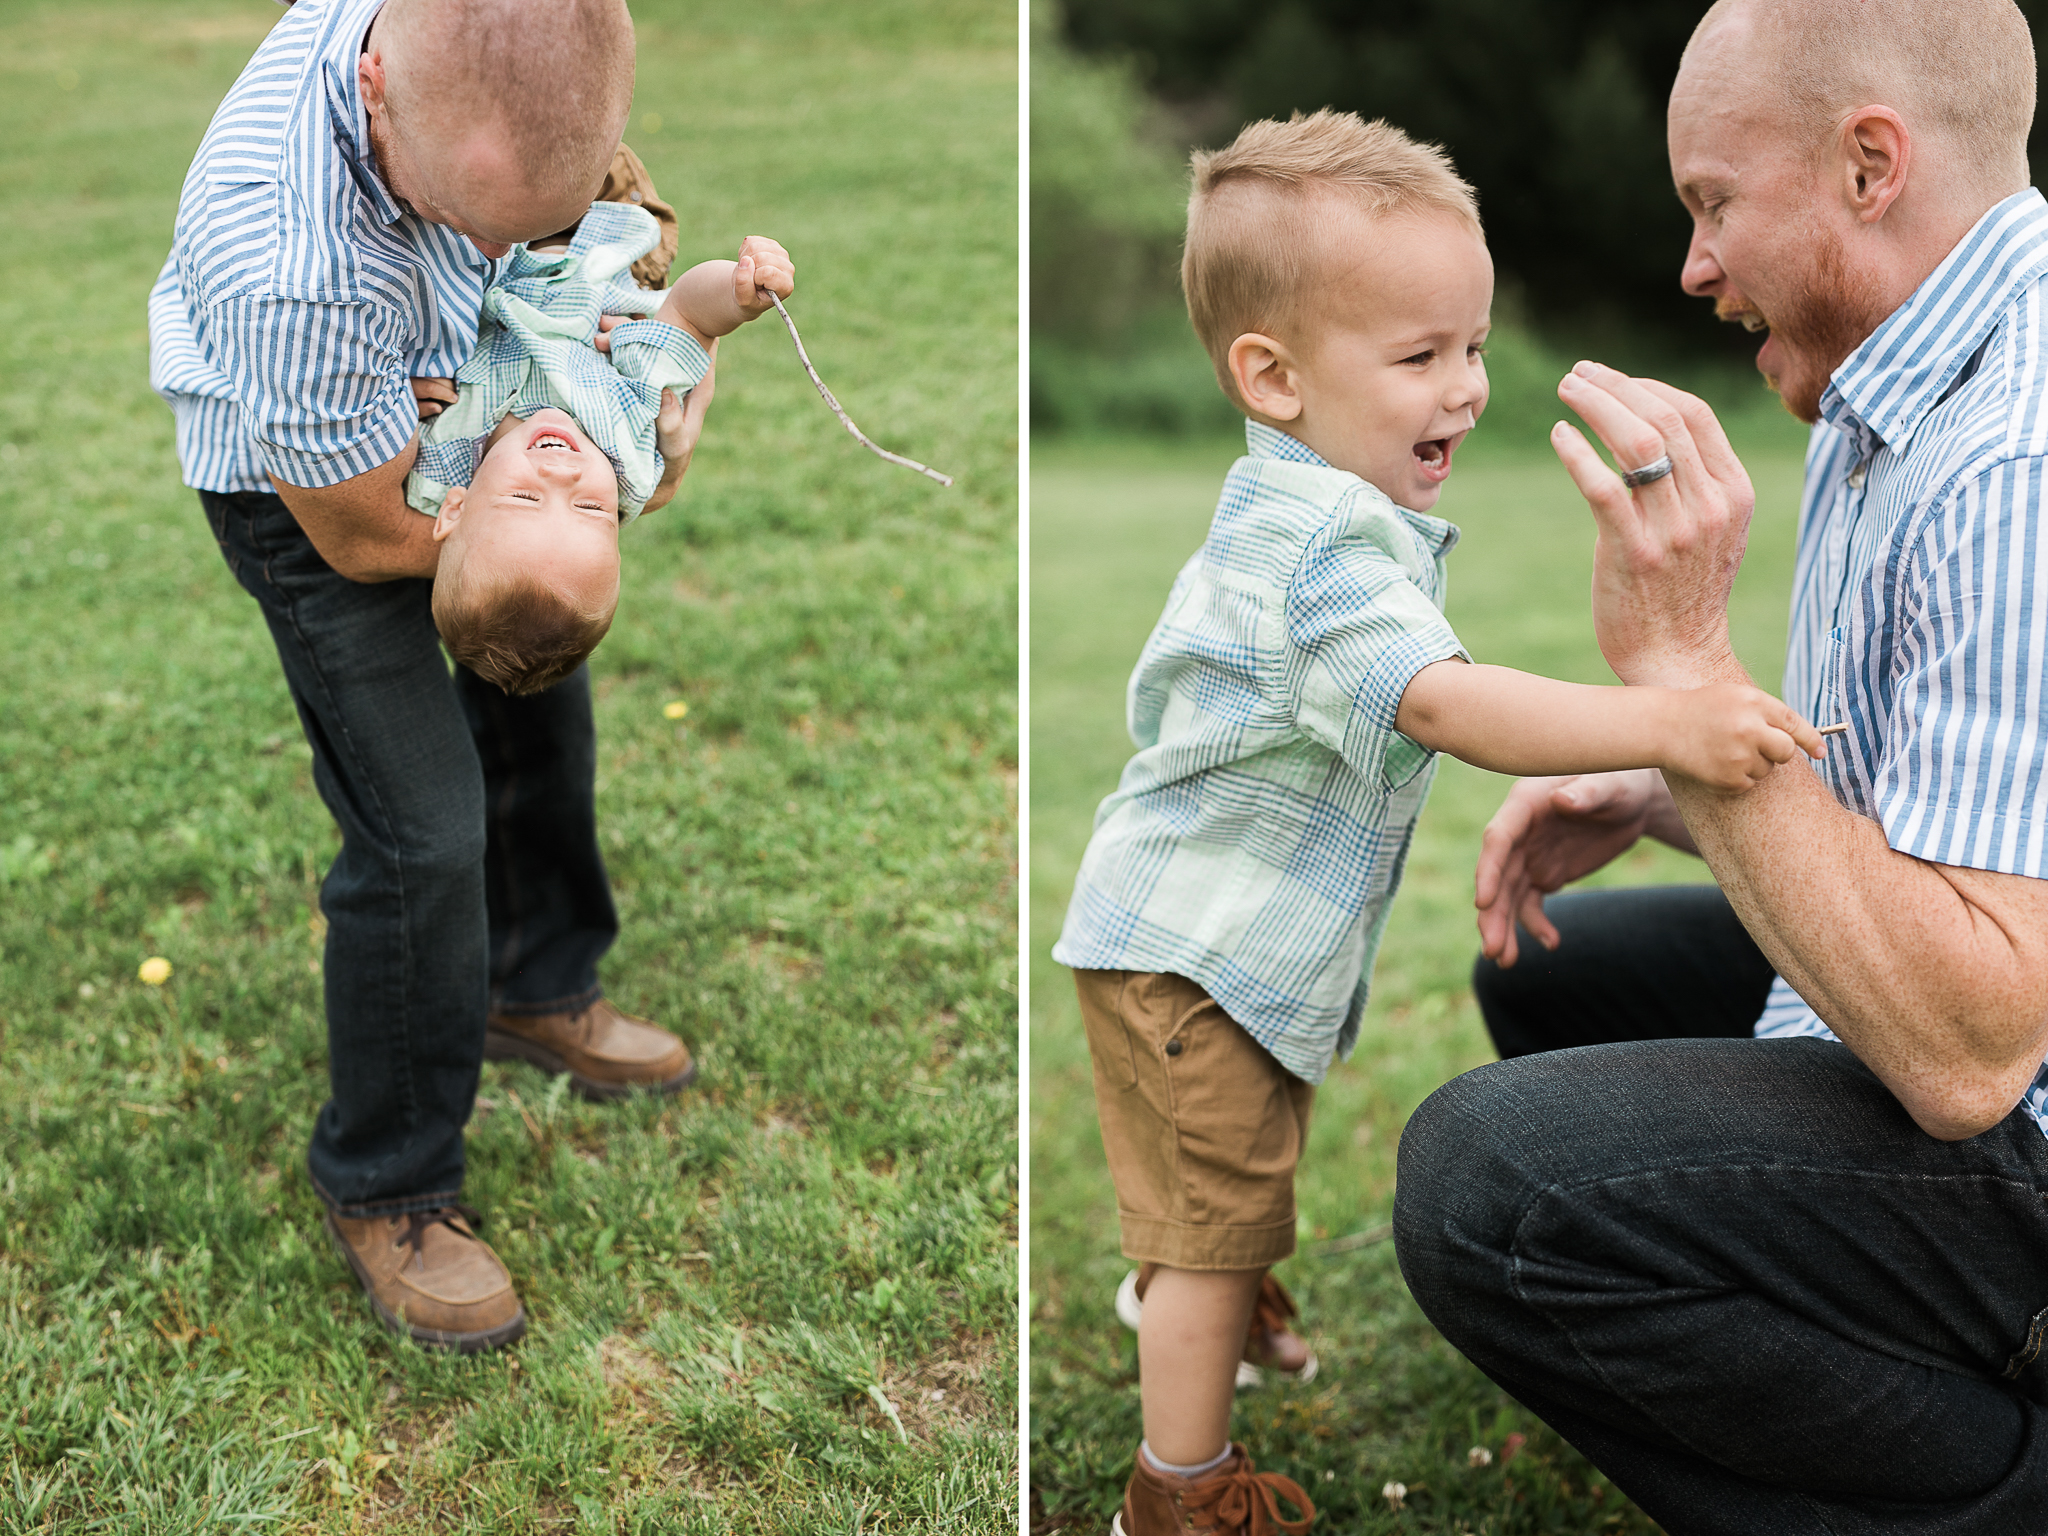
point(1145, 1450)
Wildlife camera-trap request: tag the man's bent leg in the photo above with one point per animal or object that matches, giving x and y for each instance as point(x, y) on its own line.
point(1647, 963)
point(1744, 1283)
point(550, 900)
point(404, 900)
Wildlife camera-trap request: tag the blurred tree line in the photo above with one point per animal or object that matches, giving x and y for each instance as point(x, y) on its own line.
point(1553, 109)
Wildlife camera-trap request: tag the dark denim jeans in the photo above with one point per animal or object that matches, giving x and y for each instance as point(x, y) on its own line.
point(469, 876)
point(1732, 1272)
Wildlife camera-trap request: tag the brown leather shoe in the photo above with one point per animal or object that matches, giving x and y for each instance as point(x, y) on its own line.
point(1233, 1500)
point(607, 1053)
point(429, 1275)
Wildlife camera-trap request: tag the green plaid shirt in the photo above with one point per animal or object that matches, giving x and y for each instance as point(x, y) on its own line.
point(1255, 842)
point(534, 350)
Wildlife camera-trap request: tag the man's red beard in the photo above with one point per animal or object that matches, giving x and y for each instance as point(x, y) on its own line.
point(1829, 313)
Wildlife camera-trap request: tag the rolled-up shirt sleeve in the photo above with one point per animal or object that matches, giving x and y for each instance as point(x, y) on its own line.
point(323, 387)
point(1961, 778)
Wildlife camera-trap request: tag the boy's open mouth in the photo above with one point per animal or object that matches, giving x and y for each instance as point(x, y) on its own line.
point(549, 437)
point(1434, 456)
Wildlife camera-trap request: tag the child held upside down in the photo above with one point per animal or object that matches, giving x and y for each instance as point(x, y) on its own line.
point(1287, 711)
point(550, 445)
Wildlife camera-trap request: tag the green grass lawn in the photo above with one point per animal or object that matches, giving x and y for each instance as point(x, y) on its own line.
point(783, 1302)
point(1111, 523)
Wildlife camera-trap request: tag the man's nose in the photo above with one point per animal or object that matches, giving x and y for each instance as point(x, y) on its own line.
point(1702, 270)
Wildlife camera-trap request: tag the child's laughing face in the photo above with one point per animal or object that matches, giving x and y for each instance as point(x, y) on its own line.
point(1392, 377)
point(544, 499)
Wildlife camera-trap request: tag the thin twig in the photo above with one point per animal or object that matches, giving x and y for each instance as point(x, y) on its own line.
point(869, 443)
point(1833, 730)
point(1355, 1241)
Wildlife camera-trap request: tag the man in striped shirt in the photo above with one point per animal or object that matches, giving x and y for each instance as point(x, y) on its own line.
point(1798, 1283)
point(346, 211)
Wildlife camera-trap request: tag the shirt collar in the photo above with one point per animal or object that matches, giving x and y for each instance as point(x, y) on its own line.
point(1886, 388)
point(1264, 442)
point(346, 111)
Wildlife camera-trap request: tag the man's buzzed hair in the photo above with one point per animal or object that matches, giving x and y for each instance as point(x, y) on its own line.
point(557, 75)
point(1962, 69)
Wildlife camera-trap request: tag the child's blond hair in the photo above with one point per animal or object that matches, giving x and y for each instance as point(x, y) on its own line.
point(1255, 259)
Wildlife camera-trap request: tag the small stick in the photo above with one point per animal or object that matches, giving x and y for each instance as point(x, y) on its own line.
point(869, 443)
point(1833, 730)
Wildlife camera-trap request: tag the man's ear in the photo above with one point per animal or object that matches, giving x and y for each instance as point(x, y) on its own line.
point(450, 513)
point(1876, 156)
point(370, 80)
point(1263, 371)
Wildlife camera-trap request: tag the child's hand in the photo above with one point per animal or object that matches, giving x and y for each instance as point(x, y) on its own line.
point(716, 298)
point(764, 267)
point(1729, 736)
point(433, 396)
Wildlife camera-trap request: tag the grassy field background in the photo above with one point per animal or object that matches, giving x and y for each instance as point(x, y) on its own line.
point(1111, 524)
point(784, 1302)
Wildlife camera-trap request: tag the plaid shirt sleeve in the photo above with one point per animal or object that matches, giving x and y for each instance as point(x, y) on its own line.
point(1359, 627)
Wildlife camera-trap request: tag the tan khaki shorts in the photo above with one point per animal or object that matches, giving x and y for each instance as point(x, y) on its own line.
point(1202, 1126)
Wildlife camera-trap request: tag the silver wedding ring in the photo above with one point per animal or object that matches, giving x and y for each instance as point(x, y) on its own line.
point(1647, 474)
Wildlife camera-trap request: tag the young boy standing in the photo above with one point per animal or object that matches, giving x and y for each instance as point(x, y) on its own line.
point(1287, 710)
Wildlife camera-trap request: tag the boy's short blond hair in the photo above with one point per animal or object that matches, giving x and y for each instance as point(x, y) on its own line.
point(522, 635)
point(1255, 259)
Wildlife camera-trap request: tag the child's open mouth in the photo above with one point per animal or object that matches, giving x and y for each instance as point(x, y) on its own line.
point(553, 438)
point(1434, 456)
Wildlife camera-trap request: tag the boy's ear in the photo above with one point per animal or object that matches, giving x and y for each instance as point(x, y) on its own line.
point(450, 513)
point(1263, 371)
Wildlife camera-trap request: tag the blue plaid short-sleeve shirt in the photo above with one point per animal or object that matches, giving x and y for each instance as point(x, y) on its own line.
point(1255, 841)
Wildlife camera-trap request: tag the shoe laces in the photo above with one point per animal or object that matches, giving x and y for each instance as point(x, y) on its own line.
point(1241, 1499)
point(416, 1224)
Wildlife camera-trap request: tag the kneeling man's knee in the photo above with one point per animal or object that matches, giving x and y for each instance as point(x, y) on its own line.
point(1464, 1177)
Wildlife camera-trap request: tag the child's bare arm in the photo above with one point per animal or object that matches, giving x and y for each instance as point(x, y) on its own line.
point(1728, 736)
point(715, 298)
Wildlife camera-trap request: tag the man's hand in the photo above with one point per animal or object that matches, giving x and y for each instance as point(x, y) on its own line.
point(676, 431)
point(433, 396)
point(1552, 831)
point(1668, 551)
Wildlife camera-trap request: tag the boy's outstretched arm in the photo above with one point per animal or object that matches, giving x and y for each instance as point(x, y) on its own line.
point(716, 298)
point(1728, 736)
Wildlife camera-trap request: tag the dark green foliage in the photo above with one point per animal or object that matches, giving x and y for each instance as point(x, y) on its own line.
point(1554, 109)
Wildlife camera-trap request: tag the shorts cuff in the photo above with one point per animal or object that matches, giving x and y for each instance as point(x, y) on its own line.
point(1178, 1245)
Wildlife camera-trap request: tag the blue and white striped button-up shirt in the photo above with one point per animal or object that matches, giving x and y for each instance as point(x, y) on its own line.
point(300, 297)
point(1920, 593)
point(1255, 841)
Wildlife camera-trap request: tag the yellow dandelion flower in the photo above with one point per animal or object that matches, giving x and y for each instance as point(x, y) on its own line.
point(675, 709)
point(154, 971)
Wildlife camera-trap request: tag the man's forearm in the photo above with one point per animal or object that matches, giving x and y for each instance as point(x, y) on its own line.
point(1936, 977)
point(363, 527)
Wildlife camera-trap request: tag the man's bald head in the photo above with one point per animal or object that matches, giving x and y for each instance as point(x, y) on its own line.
point(469, 85)
point(1959, 72)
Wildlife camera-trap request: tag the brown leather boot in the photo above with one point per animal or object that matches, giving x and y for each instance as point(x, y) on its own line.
point(607, 1053)
point(1233, 1500)
point(429, 1275)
